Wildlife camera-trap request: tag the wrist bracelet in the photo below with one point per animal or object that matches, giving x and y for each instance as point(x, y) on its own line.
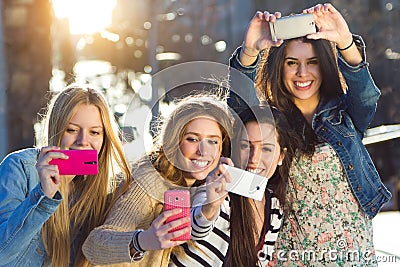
point(244, 52)
point(139, 254)
point(347, 47)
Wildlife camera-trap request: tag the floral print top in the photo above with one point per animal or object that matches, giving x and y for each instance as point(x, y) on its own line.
point(324, 225)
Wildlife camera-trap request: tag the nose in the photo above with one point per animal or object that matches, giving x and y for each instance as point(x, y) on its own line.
point(201, 148)
point(254, 156)
point(83, 139)
point(205, 148)
point(301, 70)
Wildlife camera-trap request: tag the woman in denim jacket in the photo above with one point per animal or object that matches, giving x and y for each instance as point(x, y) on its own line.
point(45, 217)
point(334, 189)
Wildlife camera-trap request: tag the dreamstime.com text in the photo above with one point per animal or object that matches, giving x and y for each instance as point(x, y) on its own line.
point(341, 254)
point(327, 256)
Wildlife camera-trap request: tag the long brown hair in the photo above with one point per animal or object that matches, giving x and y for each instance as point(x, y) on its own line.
point(270, 81)
point(85, 201)
point(242, 249)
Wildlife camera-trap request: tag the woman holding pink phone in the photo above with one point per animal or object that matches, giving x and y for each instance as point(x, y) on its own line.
point(45, 216)
point(189, 145)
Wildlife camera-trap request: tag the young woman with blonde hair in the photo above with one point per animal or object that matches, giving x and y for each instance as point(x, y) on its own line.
point(190, 143)
point(45, 217)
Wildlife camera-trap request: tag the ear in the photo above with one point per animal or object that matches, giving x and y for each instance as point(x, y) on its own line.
point(282, 156)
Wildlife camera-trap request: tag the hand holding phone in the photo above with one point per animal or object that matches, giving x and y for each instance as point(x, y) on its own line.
point(245, 183)
point(292, 26)
point(79, 162)
point(178, 199)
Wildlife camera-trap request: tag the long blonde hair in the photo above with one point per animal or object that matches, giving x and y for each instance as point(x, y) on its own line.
point(85, 201)
point(173, 128)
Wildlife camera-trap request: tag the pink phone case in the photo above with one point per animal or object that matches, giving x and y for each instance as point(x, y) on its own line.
point(178, 199)
point(80, 162)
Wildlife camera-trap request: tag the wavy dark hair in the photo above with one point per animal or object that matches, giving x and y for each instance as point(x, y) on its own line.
point(242, 250)
point(270, 81)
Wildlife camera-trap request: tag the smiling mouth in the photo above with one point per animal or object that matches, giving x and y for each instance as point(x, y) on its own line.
point(303, 85)
point(200, 163)
point(256, 171)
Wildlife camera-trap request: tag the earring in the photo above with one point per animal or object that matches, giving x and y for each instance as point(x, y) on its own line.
point(280, 163)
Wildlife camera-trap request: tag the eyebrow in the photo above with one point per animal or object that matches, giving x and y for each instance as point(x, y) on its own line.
point(210, 135)
point(95, 126)
point(263, 143)
point(293, 58)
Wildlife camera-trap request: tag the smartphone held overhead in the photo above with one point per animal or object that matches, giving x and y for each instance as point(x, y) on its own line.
point(292, 26)
point(79, 162)
point(174, 199)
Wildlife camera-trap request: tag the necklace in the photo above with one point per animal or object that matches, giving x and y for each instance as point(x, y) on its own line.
point(259, 215)
point(258, 212)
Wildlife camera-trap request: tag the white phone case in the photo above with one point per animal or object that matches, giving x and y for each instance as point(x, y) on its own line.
point(245, 183)
point(292, 26)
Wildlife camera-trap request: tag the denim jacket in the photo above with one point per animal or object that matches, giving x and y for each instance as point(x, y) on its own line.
point(342, 123)
point(24, 208)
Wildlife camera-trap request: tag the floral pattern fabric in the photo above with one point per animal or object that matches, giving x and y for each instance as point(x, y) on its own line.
point(324, 225)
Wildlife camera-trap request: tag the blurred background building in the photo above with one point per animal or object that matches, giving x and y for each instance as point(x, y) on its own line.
point(118, 45)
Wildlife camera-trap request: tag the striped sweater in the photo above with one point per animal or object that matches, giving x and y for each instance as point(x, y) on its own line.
point(211, 238)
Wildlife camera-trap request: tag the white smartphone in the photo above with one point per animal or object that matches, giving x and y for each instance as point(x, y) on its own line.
point(292, 26)
point(245, 183)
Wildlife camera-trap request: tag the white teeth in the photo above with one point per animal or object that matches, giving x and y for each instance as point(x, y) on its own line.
point(200, 163)
point(256, 171)
point(303, 84)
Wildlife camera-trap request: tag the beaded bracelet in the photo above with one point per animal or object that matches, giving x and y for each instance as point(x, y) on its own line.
point(139, 254)
point(347, 47)
point(244, 52)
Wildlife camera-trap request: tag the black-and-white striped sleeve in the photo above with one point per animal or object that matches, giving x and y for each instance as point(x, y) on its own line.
point(211, 248)
point(273, 227)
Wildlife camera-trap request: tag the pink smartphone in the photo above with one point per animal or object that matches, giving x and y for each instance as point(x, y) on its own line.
point(79, 162)
point(178, 199)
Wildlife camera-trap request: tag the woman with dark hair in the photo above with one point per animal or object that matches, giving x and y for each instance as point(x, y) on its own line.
point(322, 84)
point(243, 230)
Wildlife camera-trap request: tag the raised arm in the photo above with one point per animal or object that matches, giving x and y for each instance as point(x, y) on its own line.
point(245, 59)
point(207, 200)
point(362, 93)
point(333, 27)
point(258, 37)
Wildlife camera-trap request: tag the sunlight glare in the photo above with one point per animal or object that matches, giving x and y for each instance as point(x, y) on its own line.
point(85, 16)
